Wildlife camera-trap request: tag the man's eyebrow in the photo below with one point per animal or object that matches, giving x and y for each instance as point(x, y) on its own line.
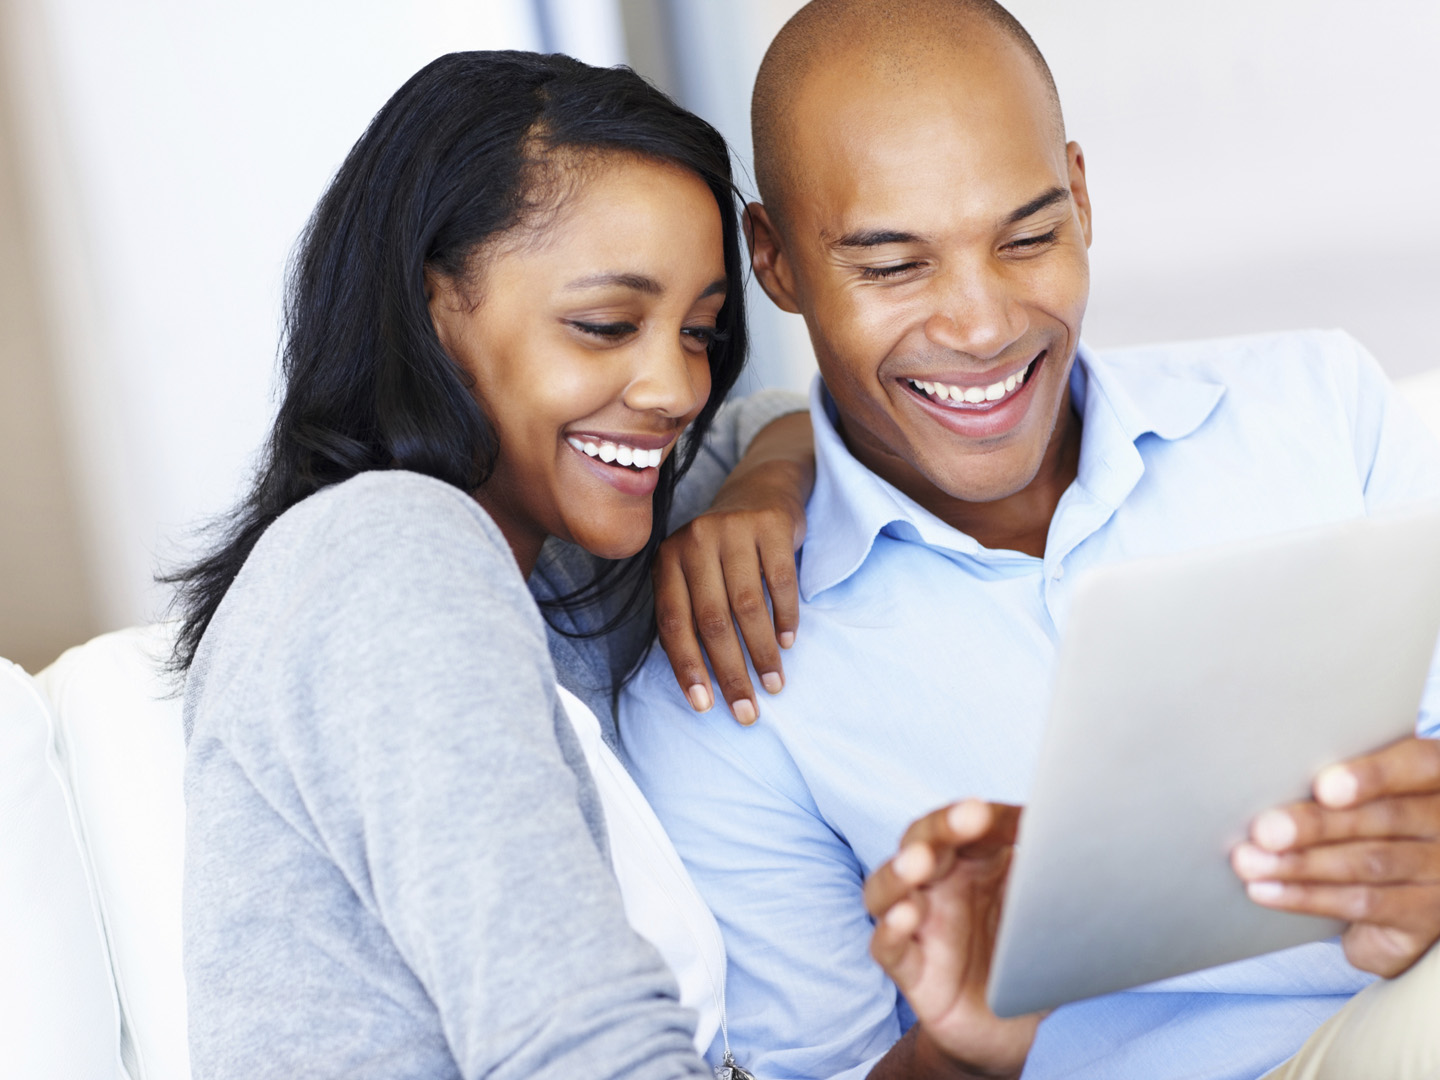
point(868, 238)
point(638, 282)
point(1035, 205)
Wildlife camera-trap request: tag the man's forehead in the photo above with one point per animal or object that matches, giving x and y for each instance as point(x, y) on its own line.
point(862, 136)
point(915, 167)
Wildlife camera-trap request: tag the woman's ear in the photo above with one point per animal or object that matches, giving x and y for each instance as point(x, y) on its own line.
point(768, 259)
point(442, 298)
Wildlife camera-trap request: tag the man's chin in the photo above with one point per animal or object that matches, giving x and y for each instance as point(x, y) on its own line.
point(969, 484)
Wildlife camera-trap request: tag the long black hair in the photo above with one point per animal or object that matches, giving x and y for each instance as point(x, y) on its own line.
point(473, 146)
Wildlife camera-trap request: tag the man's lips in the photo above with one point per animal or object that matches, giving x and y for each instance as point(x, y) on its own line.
point(1000, 406)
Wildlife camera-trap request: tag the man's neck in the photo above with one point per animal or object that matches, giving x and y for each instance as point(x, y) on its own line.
point(1018, 522)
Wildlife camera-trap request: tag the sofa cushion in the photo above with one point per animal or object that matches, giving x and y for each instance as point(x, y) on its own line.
point(58, 1012)
point(119, 725)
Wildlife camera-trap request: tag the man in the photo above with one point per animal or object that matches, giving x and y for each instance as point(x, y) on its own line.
point(925, 214)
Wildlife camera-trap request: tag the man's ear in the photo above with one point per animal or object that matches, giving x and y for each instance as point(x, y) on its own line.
point(768, 259)
point(1079, 191)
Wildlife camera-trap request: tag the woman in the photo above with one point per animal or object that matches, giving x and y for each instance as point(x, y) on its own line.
point(521, 287)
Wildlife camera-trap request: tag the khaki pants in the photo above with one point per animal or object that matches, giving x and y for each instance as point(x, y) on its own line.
point(1388, 1031)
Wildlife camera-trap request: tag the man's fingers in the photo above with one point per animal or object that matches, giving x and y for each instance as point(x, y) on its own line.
point(887, 886)
point(1364, 861)
point(969, 829)
point(966, 824)
point(1408, 908)
point(892, 943)
point(745, 587)
point(1408, 767)
point(1383, 950)
point(777, 560)
point(1300, 825)
point(676, 627)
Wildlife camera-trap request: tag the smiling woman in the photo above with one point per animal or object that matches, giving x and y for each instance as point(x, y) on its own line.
point(520, 291)
point(624, 320)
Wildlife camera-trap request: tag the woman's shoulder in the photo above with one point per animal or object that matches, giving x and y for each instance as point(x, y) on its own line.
point(391, 505)
point(371, 571)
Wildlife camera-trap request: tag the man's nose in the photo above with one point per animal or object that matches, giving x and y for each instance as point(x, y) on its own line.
point(976, 313)
point(663, 378)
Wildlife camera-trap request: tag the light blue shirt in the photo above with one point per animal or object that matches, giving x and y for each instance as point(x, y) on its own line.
point(920, 675)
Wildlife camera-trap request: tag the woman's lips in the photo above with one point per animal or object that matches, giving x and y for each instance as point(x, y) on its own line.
point(637, 482)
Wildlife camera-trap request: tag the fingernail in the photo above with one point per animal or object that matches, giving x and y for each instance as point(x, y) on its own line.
point(902, 918)
point(1274, 829)
point(744, 711)
point(1252, 861)
point(912, 863)
point(1336, 786)
point(699, 696)
point(772, 682)
point(1265, 892)
point(967, 817)
point(787, 638)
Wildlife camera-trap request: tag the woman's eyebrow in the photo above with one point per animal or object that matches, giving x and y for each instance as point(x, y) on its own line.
point(638, 282)
point(719, 285)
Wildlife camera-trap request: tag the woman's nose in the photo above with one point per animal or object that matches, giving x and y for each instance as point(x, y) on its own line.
point(666, 380)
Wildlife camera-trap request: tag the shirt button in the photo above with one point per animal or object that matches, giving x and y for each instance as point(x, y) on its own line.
point(1057, 573)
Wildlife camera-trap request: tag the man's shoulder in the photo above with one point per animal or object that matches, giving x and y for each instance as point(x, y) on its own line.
point(669, 745)
point(1319, 356)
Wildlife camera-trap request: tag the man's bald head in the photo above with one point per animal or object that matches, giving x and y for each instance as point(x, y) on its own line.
point(892, 39)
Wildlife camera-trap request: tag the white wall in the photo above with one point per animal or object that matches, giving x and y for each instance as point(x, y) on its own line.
point(1254, 164)
point(1257, 164)
point(175, 149)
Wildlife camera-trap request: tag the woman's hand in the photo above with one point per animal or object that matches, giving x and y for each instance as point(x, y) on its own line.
point(937, 909)
point(717, 570)
point(1366, 849)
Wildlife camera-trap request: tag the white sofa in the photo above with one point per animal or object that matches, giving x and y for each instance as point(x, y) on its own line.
point(91, 848)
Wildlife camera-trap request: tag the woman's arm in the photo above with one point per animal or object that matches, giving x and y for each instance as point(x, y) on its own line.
point(394, 858)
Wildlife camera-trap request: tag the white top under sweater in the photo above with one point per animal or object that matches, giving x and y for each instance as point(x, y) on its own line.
point(661, 903)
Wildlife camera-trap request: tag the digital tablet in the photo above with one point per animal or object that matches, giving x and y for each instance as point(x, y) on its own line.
point(1192, 692)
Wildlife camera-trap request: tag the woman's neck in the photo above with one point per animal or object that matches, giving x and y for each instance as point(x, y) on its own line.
point(524, 537)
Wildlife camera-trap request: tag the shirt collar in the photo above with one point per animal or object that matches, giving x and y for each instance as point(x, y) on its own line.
point(851, 506)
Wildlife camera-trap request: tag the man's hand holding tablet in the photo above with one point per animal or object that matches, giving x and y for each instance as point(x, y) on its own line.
point(936, 907)
point(1187, 692)
point(1365, 849)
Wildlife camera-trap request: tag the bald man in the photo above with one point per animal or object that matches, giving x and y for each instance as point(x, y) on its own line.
point(924, 212)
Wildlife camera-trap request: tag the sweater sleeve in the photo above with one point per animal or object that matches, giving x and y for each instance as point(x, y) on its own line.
point(401, 722)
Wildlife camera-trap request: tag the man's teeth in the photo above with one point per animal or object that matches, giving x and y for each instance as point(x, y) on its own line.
point(971, 395)
point(618, 453)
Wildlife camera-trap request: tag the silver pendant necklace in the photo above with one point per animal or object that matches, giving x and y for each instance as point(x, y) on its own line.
point(728, 1070)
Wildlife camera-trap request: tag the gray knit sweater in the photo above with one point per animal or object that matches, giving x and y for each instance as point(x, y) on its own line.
point(395, 858)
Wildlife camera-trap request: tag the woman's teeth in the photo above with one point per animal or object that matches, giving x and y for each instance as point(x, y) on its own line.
point(618, 453)
point(972, 395)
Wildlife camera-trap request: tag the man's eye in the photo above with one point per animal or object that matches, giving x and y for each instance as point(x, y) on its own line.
point(608, 331)
point(1035, 241)
point(880, 273)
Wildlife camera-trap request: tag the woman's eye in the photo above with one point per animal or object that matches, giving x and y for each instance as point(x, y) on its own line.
point(705, 336)
point(1035, 241)
point(880, 273)
point(607, 331)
